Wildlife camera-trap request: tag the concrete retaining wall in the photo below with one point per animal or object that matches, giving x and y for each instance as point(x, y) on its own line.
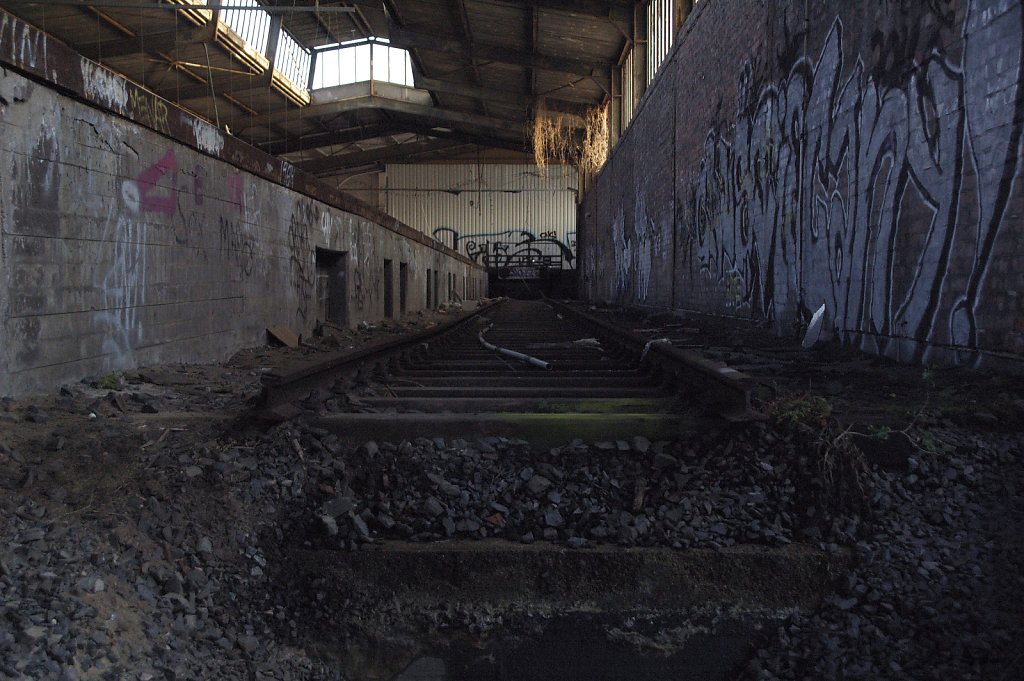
point(134, 233)
point(865, 156)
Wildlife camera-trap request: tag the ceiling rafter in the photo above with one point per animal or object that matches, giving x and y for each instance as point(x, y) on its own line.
point(144, 43)
point(484, 64)
point(618, 10)
point(325, 138)
point(459, 9)
point(351, 104)
point(399, 152)
point(519, 96)
point(401, 37)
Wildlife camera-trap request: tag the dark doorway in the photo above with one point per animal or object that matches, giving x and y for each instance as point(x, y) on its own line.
point(332, 286)
point(403, 286)
point(430, 288)
point(389, 289)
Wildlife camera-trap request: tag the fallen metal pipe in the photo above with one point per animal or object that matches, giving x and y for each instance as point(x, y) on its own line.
point(652, 342)
point(511, 353)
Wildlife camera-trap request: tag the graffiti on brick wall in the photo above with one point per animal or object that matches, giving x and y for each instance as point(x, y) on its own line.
point(636, 250)
point(121, 260)
point(305, 218)
point(153, 211)
point(148, 109)
point(236, 242)
point(511, 246)
point(366, 278)
point(19, 40)
point(623, 254)
point(35, 180)
point(121, 265)
point(833, 177)
point(155, 189)
point(361, 288)
point(198, 184)
point(236, 196)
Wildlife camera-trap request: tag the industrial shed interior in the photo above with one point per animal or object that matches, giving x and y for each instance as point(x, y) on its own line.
point(511, 339)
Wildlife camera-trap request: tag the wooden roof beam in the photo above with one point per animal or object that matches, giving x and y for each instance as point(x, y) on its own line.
point(326, 138)
point(441, 117)
point(404, 38)
point(151, 43)
point(506, 96)
point(617, 10)
point(400, 152)
point(463, 19)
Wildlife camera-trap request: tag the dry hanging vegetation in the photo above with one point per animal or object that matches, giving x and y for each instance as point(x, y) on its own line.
point(556, 139)
point(595, 140)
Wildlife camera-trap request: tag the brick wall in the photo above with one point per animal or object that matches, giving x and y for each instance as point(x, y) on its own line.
point(865, 157)
point(131, 238)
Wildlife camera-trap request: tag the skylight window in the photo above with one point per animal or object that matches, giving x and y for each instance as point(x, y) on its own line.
point(362, 60)
point(253, 26)
point(661, 25)
point(293, 60)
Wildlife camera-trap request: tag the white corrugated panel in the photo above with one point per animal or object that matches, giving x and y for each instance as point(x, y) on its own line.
point(489, 211)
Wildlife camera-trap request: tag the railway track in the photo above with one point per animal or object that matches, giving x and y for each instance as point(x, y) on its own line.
point(533, 370)
point(537, 548)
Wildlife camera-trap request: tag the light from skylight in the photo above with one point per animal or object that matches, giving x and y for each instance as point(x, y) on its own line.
point(251, 26)
point(362, 60)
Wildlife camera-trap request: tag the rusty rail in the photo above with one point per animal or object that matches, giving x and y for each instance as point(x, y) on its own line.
point(715, 387)
point(281, 387)
point(722, 389)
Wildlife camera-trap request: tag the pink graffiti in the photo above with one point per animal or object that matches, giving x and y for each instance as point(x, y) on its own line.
point(147, 179)
point(237, 198)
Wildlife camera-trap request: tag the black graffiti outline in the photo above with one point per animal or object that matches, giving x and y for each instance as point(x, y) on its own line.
point(522, 243)
point(744, 181)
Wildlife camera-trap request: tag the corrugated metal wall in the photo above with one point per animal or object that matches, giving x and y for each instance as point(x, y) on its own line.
point(489, 211)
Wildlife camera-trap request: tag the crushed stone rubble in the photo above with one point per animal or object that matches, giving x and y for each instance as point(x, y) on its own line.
point(711, 490)
point(157, 552)
point(165, 574)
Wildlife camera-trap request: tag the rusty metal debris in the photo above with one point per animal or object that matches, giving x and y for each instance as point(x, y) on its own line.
point(511, 353)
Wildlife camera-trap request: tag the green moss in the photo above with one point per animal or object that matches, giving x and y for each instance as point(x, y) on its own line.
point(607, 406)
point(109, 382)
point(811, 409)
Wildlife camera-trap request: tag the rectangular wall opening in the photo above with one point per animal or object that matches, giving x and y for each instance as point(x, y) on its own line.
point(389, 289)
point(332, 287)
point(403, 287)
point(430, 288)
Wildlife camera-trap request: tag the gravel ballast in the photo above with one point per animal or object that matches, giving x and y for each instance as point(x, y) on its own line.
point(138, 548)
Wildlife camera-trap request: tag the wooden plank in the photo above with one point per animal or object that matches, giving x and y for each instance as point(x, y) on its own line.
point(284, 335)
